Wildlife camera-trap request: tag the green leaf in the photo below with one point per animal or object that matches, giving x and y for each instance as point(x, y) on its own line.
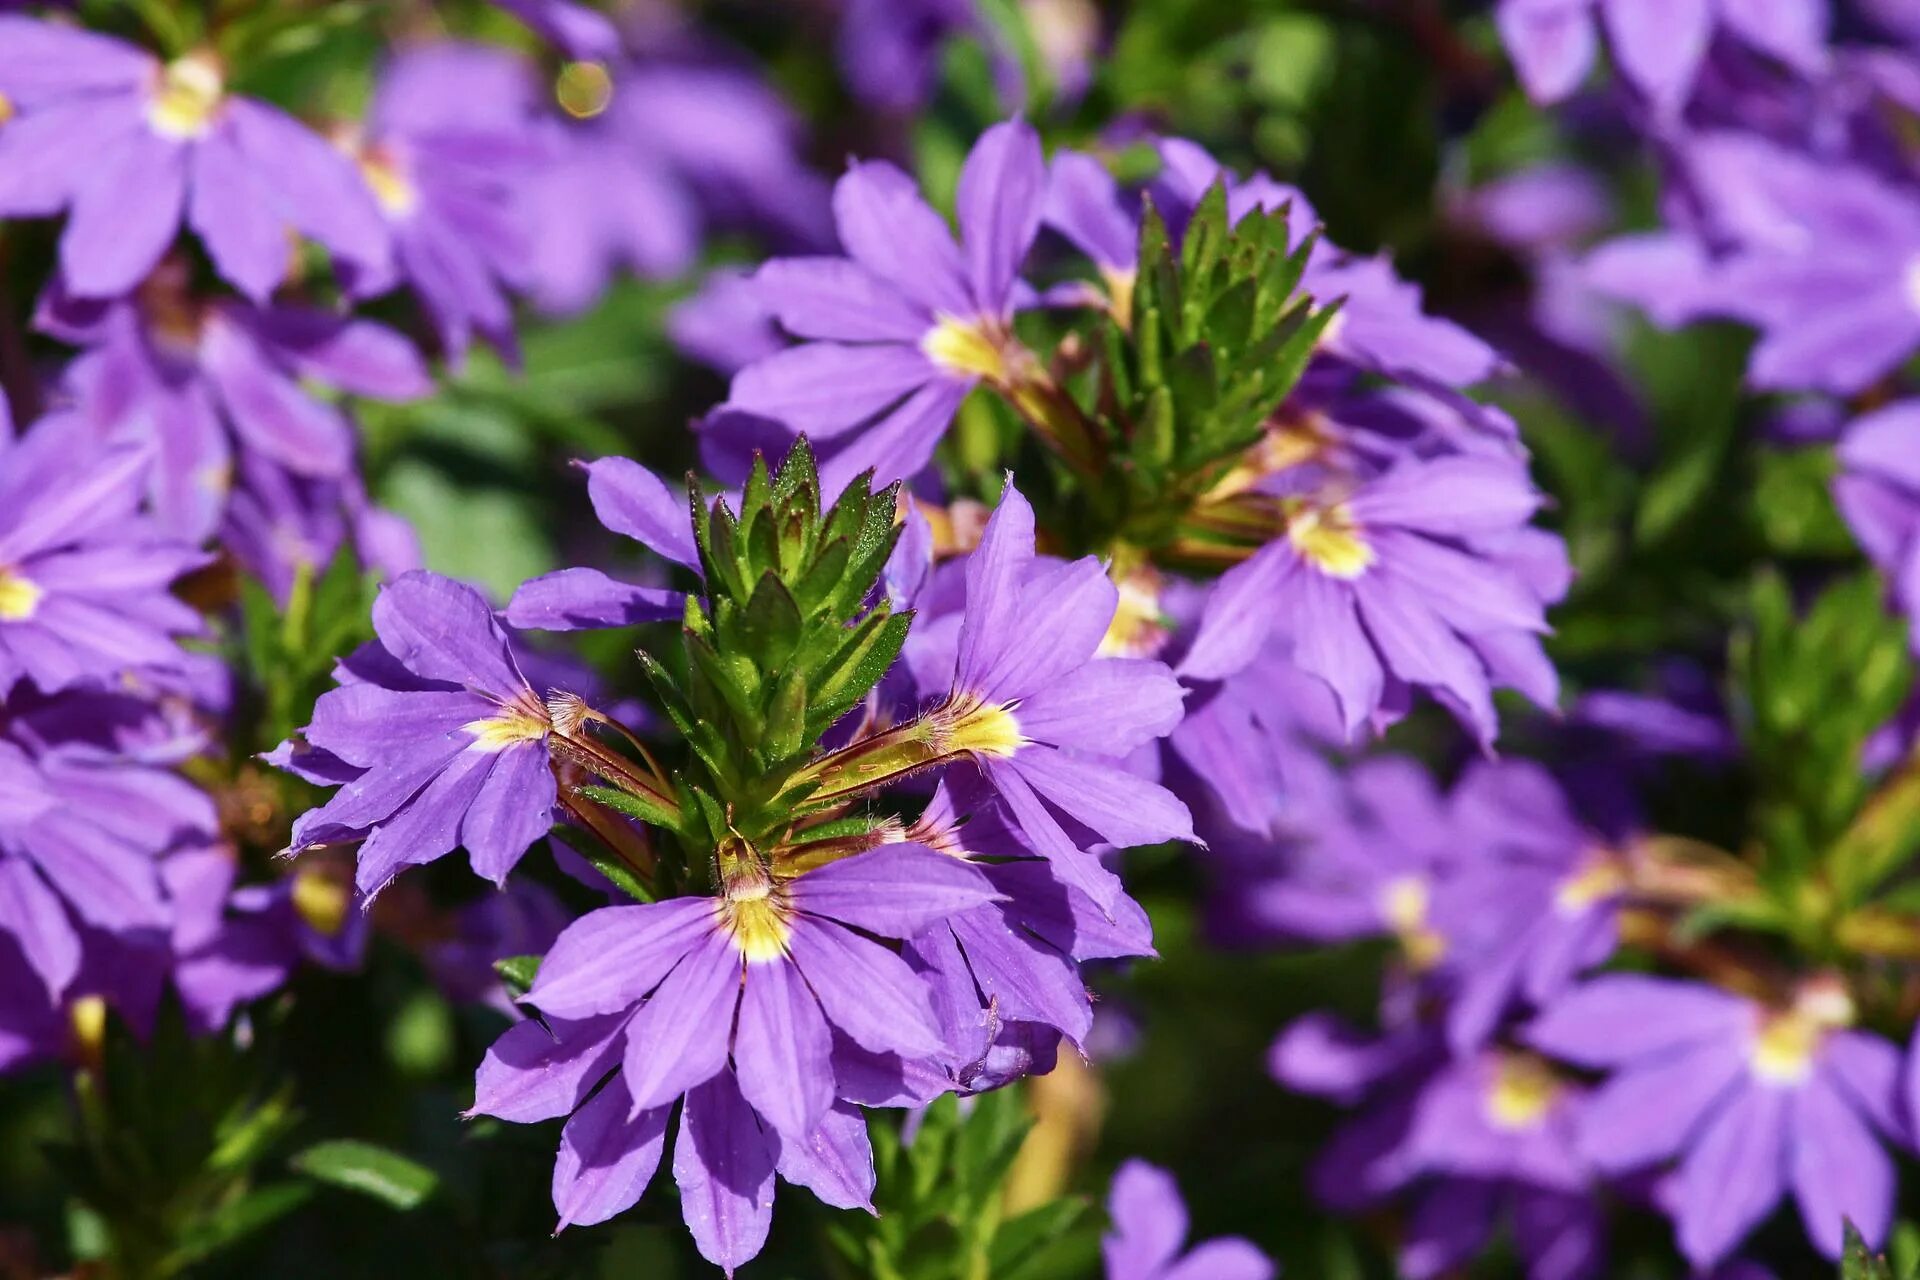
point(518, 972)
point(373, 1171)
point(1856, 1263)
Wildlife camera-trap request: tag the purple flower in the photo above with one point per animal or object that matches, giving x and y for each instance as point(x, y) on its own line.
point(1657, 46)
point(889, 50)
point(1879, 494)
point(1423, 576)
point(523, 919)
point(1150, 1226)
point(1045, 717)
point(899, 331)
point(83, 579)
point(451, 740)
point(1822, 256)
point(768, 1008)
point(1005, 976)
point(81, 826)
point(1751, 1100)
point(279, 525)
point(724, 325)
point(447, 142)
point(130, 146)
point(1472, 1141)
point(194, 382)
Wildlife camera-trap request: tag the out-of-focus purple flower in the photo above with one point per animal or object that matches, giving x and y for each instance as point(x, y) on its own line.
point(1823, 257)
point(768, 1007)
point(1150, 1227)
point(195, 382)
point(451, 739)
point(1657, 47)
point(654, 150)
point(1044, 716)
point(890, 50)
point(279, 526)
point(84, 580)
point(1879, 494)
point(235, 943)
point(131, 146)
point(899, 331)
point(81, 827)
point(1753, 1101)
point(1472, 1141)
point(523, 919)
point(448, 141)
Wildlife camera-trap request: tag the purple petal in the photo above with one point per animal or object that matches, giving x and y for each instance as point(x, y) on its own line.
point(824, 389)
point(679, 1037)
point(1659, 45)
point(33, 916)
point(583, 599)
point(1552, 45)
point(835, 1161)
point(1121, 806)
point(608, 1155)
point(1238, 617)
point(1149, 1222)
point(1003, 186)
point(1734, 1175)
point(425, 827)
point(895, 891)
point(514, 808)
point(782, 1050)
point(891, 231)
point(867, 991)
point(1620, 1017)
point(1644, 1114)
point(269, 409)
point(234, 217)
point(609, 959)
point(837, 299)
point(445, 630)
point(1226, 1259)
point(112, 242)
point(1110, 705)
point(631, 500)
point(993, 573)
point(1839, 1173)
point(1084, 205)
point(724, 1166)
point(534, 1073)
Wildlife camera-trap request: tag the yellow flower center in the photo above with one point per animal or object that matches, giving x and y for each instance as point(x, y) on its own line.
point(6, 109)
point(1600, 877)
point(19, 598)
point(965, 347)
point(981, 729)
point(1784, 1048)
point(187, 96)
point(1522, 1091)
point(1329, 539)
point(391, 187)
point(757, 919)
point(583, 89)
point(509, 728)
point(320, 900)
point(1403, 904)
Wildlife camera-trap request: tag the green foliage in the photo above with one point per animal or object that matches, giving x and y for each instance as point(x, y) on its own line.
point(287, 655)
point(1813, 685)
point(169, 1148)
point(1215, 337)
point(373, 1171)
point(940, 1199)
point(1858, 1263)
